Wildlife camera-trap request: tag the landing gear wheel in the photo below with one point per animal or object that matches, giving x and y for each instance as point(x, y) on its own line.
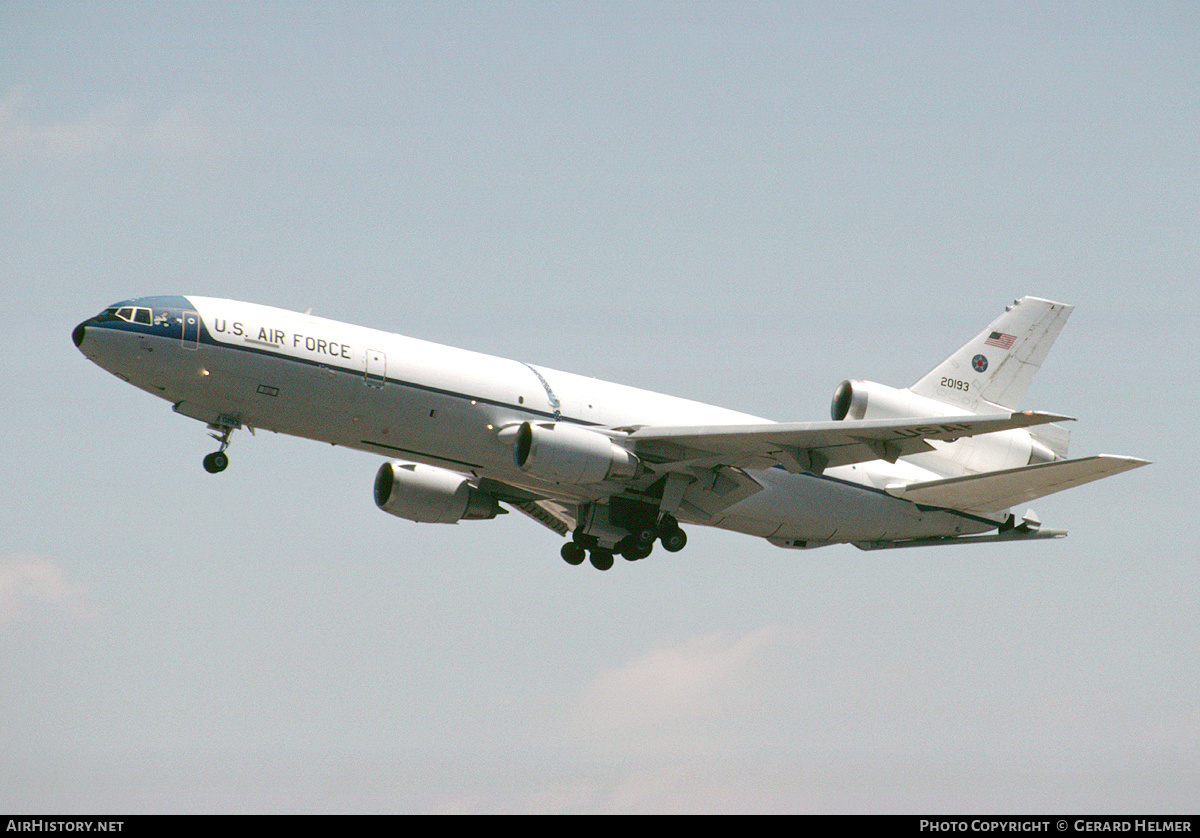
point(572, 553)
point(636, 551)
point(674, 540)
point(602, 559)
point(216, 462)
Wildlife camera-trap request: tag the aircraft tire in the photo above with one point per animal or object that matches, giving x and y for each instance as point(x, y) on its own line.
point(602, 559)
point(674, 540)
point(216, 462)
point(635, 552)
point(572, 553)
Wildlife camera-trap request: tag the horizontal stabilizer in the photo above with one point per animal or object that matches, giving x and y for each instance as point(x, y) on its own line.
point(996, 490)
point(1015, 534)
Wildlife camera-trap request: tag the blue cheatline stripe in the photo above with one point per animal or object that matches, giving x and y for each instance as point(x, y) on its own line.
point(207, 339)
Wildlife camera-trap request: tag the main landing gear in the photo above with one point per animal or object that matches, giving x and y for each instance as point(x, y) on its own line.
point(218, 461)
point(633, 547)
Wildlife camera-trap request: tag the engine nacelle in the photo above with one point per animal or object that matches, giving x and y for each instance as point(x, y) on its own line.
point(566, 453)
point(987, 452)
point(869, 400)
point(430, 494)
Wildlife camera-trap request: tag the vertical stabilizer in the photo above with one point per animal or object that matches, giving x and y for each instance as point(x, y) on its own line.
point(993, 369)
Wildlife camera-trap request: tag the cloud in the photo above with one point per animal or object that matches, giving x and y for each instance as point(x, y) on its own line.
point(687, 697)
point(27, 582)
point(177, 131)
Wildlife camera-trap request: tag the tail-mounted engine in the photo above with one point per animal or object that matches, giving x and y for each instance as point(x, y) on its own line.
point(1003, 449)
point(869, 400)
point(430, 494)
point(566, 453)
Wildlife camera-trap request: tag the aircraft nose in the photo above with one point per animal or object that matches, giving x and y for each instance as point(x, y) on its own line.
point(78, 334)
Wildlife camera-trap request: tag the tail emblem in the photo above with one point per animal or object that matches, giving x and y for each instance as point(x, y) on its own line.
point(979, 363)
point(1001, 340)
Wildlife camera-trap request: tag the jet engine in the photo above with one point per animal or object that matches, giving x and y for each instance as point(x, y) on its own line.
point(430, 494)
point(1003, 449)
point(565, 453)
point(869, 400)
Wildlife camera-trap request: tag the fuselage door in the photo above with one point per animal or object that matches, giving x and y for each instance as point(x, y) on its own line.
point(376, 370)
point(191, 330)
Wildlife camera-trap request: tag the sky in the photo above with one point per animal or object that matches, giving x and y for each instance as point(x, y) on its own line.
point(740, 203)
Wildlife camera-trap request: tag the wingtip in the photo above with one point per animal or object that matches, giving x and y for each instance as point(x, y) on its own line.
point(1044, 417)
point(1130, 462)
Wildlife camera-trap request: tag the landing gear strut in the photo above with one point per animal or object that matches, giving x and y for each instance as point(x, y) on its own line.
point(218, 461)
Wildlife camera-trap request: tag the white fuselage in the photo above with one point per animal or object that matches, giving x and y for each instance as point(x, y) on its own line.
point(417, 401)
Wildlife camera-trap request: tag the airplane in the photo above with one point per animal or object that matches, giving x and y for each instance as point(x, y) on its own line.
point(616, 469)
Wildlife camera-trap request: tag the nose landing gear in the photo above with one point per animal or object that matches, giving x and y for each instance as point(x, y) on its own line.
point(218, 461)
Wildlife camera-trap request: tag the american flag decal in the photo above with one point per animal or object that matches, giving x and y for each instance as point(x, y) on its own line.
point(1001, 340)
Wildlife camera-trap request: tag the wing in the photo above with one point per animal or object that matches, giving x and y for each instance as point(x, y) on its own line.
point(813, 446)
point(704, 469)
point(996, 490)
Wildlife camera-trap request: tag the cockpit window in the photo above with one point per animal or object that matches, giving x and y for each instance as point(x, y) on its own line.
point(134, 314)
